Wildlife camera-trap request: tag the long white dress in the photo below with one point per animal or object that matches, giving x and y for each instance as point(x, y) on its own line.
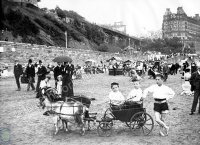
point(186, 85)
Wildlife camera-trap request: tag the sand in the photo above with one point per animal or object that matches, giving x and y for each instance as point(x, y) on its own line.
point(22, 122)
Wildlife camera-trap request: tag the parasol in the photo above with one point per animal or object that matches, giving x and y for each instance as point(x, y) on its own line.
point(62, 59)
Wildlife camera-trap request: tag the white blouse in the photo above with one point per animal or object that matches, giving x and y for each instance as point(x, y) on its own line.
point(159, 92)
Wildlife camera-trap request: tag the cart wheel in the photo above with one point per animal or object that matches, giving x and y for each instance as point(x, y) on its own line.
point(104, 129)
point(127, 124)
point(142, 120)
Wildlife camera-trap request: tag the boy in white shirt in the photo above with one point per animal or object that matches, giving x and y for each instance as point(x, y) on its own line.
point(134, 97)
point(161, 94)
point(115, 96)
point(136, 94)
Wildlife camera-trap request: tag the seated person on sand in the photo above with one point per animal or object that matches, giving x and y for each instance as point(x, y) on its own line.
point(45, 84)
point(116, 97)
point(134, 98)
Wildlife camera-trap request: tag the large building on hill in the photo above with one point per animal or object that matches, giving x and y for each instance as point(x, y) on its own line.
point(182, 26)
point(34, 2)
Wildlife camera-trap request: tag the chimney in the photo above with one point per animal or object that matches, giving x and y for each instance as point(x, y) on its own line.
point(180, 10)
point(167, 12)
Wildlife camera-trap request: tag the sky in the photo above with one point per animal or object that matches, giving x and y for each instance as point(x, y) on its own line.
point(139, 16)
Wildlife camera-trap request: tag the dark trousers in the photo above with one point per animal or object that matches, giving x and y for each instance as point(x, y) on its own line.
point(114, 71)
point(56, 82)
point(38, 84)
point(17, 81)
point(195, 101)
point(30, 83)
point(165, 76)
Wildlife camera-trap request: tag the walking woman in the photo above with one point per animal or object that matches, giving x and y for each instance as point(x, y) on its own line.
point(161, 94)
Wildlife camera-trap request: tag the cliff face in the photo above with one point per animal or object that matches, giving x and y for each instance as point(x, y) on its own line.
point(30, 24)
point(34, 25)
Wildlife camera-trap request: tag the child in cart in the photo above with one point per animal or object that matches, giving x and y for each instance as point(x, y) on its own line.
point(134, 98)
point(116, 97)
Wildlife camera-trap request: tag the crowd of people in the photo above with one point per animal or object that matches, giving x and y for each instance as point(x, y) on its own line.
point(62, 75)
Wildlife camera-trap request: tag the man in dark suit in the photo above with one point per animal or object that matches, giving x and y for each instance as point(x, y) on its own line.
point(30, 72)
point(42, 71)
point(71, 69)
point(57, 71)
point(195, 86)
point(18, 71)
point(165, 71)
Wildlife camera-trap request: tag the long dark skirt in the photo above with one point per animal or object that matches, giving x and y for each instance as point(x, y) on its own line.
point(67, 88)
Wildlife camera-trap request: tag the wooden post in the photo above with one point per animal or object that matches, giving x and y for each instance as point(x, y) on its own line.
point(66, 38)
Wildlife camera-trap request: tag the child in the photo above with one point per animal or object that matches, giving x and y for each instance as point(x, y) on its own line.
point(134, 97)
point(115, 96)
point(136, 94)
point(161, 94)
point(45, 83)
point(59, 86)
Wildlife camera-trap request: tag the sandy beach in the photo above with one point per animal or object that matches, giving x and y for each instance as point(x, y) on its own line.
point(22, 122)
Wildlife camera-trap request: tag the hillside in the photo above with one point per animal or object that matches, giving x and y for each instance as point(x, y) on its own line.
point(40, 26)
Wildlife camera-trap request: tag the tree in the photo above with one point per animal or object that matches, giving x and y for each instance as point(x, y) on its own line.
point(60, 12)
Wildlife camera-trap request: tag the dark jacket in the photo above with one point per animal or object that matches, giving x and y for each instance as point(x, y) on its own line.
point(71, 70)
point(57, 71)
point(30, 71)
point(18, 70)
point(68, 70)
point(165, 69)
point(42, 71)
point(195, 82)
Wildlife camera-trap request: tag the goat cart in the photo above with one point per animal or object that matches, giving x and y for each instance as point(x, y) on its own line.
point(135, 118)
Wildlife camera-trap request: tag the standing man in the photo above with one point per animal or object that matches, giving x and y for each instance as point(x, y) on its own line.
point(42, 71)
point(57, 71)
point(71, 69)
point(30, 72)
point(161, 94)
point(18, 71)
point(195, 86)
point(165, 71)
point(114, 69)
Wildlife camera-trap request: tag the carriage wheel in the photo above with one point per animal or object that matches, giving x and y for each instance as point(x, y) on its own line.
point(142, 121)
point(104, 129)
point(127, 124)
